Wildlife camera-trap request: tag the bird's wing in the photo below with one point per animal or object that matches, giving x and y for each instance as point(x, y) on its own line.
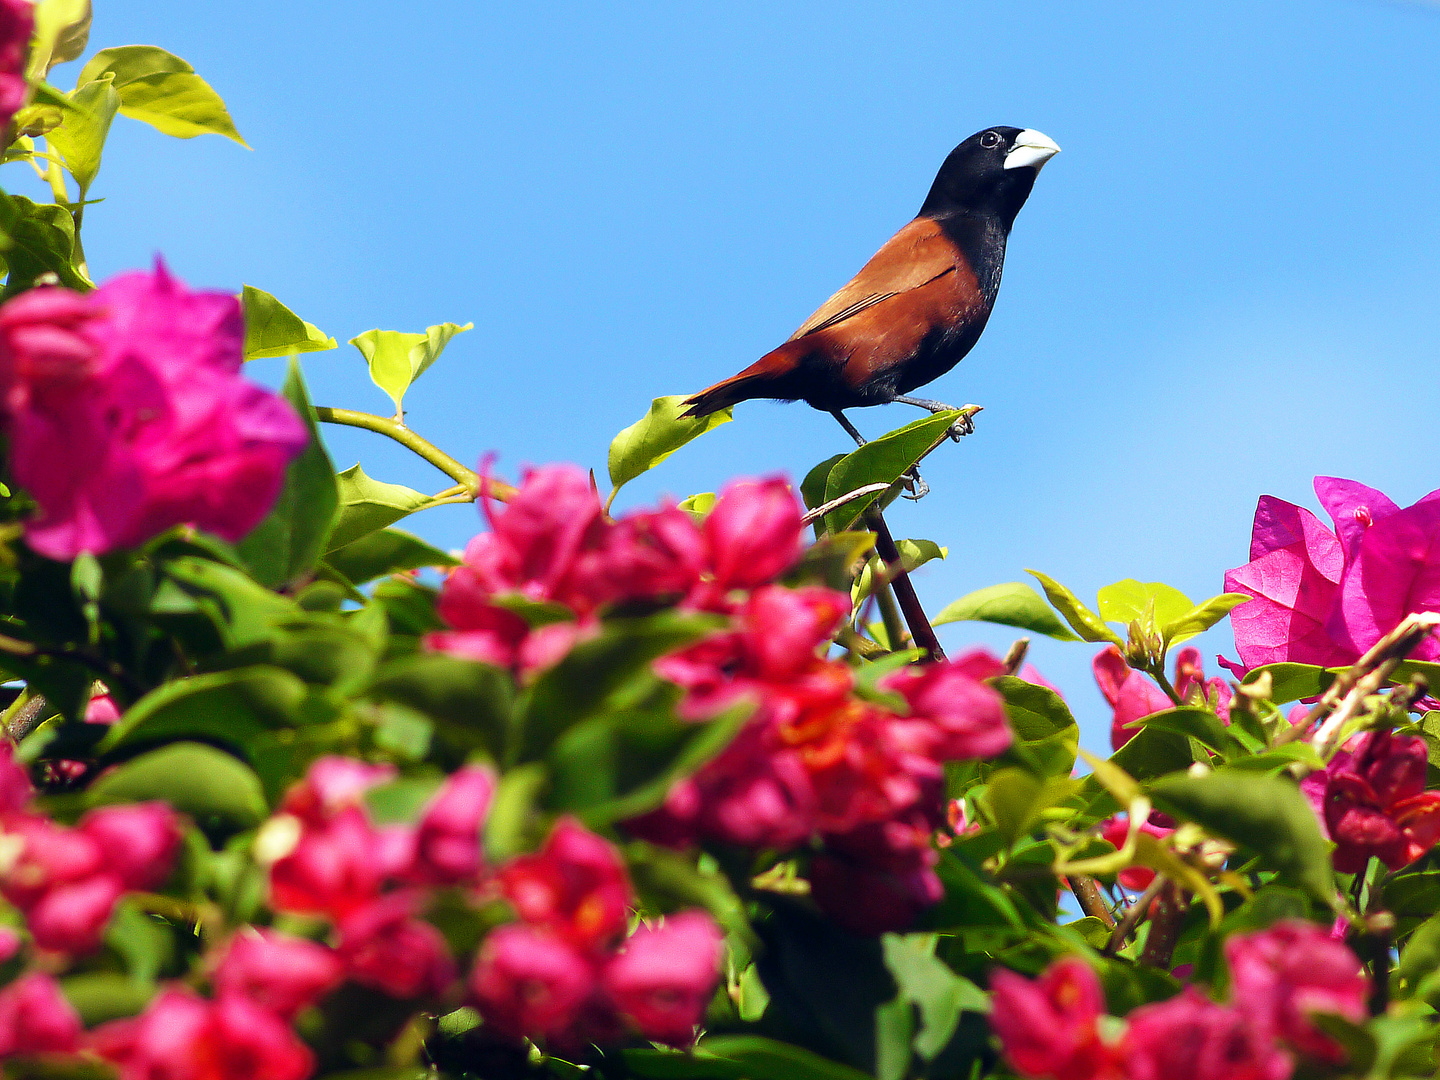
point(916, 255)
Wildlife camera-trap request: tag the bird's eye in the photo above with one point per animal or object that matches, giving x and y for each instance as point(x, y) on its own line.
point(990, 138)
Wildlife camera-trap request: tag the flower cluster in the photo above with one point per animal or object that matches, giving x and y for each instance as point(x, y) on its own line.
point(328, 858)
point(564, 973)
point(814, 760)
point(66, 881)
point(1279, 977)
point(1371, 800)
point(1131, 696)
point(1324, 597)
point(136, 388)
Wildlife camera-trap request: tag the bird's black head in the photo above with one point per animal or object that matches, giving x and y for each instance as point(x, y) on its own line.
point(991, 172)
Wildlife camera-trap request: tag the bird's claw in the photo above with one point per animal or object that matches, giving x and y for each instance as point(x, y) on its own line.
point(960, 428)
point(915, 486)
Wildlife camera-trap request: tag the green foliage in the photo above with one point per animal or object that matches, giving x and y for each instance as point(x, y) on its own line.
point(655, 436)
point(367, 505)
point(1012, 604)
point(396, 360)
point(272, 329)
point(1262, 813)
point(289, 542)
point(162, 90)
point(880, 461)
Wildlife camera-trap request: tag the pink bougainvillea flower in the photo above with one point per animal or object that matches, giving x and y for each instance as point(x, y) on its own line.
point(878, 877)
point(447, 840)
point(1280, 976)
point(155, 428)
point(576, 886)
point(753, 533)
point(181, 1036)
point(530, 983)
point(17, 23)
point(1132, 696)
point(278, 972)
point(664, 976)
point(139, 841)
point(385, 945)
point(1116, 829)
point(36, 1018)
point(969, 714)
point(1049, 1027)
point(332, 869)
point(15, 787)
point(331, 784)
point(1190, 1037)
point(653, 554)
point(1371, 800)
point(1325, 597)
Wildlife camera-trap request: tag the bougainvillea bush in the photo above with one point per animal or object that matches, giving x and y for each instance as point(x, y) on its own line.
point(678, 793)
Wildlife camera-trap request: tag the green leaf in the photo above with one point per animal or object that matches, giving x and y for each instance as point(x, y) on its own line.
point(699, 504)
point(1011, 604)
point(367, 505)
point(39, 239)
point(1420, 959)
point(1128, 600)
point(1291, 682)
point(145, 943)
point(272, 329)
point(80, 138)
point(733, 1057)
point(657, 435)
point(470, 702)
point(287, 544)
point(386, 551)
point(1197, 723)
point(1263, 813)
point(244, 612)
point(1046, 734)
point(199, 780)
point(62, 29)
point(396, 360)
point(1082, 620)
point(230, 707)
point(104, 995)
point(669, 880)
point(1016, 798)
point(621, 765)
point(882, 461)
point(1200, 618)
point(913, 555)
point(812, 488)
point(937, 992)
point(600, 672)
point(160, 89)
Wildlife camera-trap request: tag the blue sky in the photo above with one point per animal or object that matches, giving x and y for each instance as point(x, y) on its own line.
point(1225, 285)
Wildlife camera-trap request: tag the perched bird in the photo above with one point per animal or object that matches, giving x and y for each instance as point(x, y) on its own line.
point(920, 303)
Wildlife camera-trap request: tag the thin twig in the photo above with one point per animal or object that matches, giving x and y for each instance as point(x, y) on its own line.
point(915, 617)
point(1394, 646)
point(1087, 893)
point(1133, 914)
point(889, 615)
point(812, 516)
point(411, 441)
point(1170, 908)
point(1015, 656)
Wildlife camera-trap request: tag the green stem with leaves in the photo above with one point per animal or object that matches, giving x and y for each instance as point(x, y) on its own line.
point(468, 479)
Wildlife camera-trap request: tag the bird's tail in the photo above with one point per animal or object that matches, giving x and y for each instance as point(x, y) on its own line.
point(760, 380)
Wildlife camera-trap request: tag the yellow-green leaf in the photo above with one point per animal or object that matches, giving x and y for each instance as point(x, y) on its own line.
point(272, 329)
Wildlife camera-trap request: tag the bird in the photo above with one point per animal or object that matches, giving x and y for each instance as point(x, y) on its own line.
point(918, 306)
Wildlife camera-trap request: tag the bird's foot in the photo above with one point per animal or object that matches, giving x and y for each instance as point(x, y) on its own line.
point(914, 484)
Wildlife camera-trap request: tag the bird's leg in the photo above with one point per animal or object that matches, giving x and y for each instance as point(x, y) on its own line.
point(849, 427)
point(962, 427)
point(915, 487)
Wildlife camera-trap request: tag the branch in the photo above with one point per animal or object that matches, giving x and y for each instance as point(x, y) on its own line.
point(423, 447)
point(1133, 914)
point(1372, 669)
point(1165, 925)
point(815, 515)
point(915, 617)
point(1091, 902)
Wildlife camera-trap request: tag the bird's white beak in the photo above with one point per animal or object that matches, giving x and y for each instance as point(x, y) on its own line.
point(1031, 148)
